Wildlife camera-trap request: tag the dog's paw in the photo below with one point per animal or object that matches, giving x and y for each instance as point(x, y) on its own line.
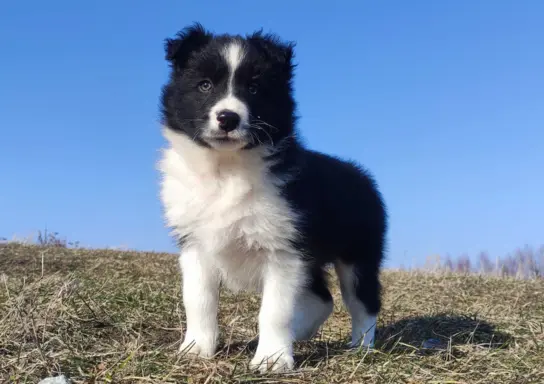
point(273, 363)
point(369, 346)
point(365, 341)
point(193, 348)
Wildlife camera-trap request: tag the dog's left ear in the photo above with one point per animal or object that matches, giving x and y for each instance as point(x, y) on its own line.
point(272, 48)
point(189, 39)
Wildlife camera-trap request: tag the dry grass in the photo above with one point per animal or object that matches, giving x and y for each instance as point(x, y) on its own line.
point(110, 316)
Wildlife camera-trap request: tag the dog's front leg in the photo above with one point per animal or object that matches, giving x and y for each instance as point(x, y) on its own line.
point(283, 278)
point(200, 299)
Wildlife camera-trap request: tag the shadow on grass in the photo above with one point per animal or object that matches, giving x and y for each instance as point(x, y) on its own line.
point(436, 333)
point(440, 334)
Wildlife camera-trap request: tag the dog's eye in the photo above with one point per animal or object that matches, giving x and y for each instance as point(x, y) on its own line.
point(205, 86)
point(252, 88)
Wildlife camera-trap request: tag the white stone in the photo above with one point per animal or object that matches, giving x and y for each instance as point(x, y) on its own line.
point(55, 380)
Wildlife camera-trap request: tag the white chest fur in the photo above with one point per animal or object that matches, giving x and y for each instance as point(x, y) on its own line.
point(229, 206)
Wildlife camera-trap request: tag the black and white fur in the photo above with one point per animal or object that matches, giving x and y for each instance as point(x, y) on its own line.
point(252, 208)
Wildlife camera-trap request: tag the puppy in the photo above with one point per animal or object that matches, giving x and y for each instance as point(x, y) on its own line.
point(252, 208)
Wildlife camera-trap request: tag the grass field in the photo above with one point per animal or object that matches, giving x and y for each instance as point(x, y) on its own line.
point(112, 316)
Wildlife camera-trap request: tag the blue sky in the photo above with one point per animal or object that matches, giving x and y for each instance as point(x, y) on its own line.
point(442, 100)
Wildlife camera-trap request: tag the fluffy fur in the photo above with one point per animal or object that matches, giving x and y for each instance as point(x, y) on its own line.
point(254, 209)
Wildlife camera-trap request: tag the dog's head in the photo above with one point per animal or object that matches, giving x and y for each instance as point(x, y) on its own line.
point(229, 92)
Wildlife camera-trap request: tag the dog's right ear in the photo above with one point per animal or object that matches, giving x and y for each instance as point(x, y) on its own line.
point(177, 50)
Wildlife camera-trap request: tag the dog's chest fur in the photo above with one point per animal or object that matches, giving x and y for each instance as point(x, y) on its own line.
point(229, 207)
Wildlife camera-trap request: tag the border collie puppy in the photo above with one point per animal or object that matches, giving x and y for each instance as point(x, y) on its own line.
point(254, 209)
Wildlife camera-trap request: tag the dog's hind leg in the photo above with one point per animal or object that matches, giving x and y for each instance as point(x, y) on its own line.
point(313, 306)
point(360, 288)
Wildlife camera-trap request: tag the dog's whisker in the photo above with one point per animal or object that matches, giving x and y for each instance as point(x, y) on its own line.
point(259, 121)
point(196, 134)
point(267, 124)
point(254, 138)
point(263, 130)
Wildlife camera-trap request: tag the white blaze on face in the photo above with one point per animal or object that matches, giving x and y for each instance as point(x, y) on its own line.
point(233, 54)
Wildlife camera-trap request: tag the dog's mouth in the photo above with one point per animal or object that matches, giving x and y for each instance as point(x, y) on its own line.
point(222, 139)
point(225, 142)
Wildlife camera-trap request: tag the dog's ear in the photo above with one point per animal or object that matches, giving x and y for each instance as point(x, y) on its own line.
point(272, 48)
point(178, 49)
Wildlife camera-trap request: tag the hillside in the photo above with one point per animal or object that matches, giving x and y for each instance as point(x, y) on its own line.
point(111, 316)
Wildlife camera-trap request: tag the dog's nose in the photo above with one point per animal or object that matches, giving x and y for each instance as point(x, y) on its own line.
point(228, 120)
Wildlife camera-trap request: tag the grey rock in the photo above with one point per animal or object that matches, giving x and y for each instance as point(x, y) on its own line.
point(432, 344)
point(55, 380)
